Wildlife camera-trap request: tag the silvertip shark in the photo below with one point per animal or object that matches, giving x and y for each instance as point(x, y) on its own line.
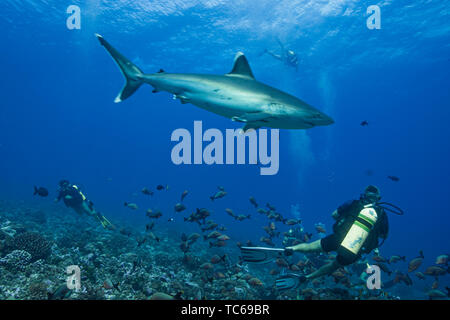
point(235, 95)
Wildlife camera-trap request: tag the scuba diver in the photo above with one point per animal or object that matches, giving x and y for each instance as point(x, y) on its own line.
point(75, 199)
point(359, 226)
point(289, 57)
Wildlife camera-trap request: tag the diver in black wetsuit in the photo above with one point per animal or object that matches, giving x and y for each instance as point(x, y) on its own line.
point(289, 57)
point(75, 199)
point(346, 216)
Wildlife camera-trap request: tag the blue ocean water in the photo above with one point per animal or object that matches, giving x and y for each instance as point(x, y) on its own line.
point(58, 118)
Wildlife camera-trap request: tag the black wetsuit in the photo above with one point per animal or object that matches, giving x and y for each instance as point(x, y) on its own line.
point(347, 214)
point(76, 197)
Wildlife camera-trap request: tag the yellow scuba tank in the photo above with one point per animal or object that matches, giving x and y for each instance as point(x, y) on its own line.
point(359, 231)
point(81, 193)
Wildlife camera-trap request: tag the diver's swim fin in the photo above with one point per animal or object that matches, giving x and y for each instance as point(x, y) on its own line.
point(260, 254)
point(133, 75)
point(289, 281)
point(105, 222)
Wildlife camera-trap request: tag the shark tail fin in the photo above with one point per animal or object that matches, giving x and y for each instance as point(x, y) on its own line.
point(133, 75)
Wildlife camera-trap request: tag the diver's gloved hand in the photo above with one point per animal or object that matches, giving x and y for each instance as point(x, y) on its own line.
point(288, 251)
point(302, 279)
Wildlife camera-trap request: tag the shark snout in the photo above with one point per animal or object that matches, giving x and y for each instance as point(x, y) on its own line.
point(325, 120)
point(319, 119)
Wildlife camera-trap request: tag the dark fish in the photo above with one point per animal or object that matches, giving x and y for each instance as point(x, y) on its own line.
point(364, 123)
point(60, 293)
point(210, 226)
point(179, 207)
point(229, 212)
point(253, 202)
point(292, 222)
point(184, 237)
point(242, 217)
point(218, 195)
point(219, 243)
point(262, 211)
point(116, 286)
point(435, 271)
point(415, 263)
point(153, 215)
point(216, 259)
point(394, 178)
point(394, 259)
point(184, 194)
point(160, 187)
point(384, 268)
point(147, 192)
point(126, 231)
point(41, 191)
point(193, 237)
point(141, 241)
point(132, 206)
point(307, 236)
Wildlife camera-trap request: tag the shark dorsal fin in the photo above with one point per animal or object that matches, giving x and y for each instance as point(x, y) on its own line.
point(241, 67)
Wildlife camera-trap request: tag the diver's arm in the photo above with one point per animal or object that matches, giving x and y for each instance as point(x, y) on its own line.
point(327, 269)
point(307, 247)
point(281, 44)
point(58, 198)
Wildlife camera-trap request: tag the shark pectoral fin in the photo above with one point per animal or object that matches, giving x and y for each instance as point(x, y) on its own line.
point(238, 119)
point(250, 125)
point(183, 99)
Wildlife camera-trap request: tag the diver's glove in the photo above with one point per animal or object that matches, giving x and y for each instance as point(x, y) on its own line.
point(288, 251)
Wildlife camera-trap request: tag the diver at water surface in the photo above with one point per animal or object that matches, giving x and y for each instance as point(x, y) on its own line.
point(75, 199)
point(287, 56)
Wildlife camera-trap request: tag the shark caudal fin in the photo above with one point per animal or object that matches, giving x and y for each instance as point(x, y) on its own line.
point(133, 75)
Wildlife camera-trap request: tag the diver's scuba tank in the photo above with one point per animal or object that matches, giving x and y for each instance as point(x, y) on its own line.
point(358, 232)
point(81, 193)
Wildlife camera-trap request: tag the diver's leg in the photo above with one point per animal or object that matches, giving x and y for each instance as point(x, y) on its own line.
point(87, 209)
point(281, 44)
point(276, 56)
point(308, 247)
point(327, 269)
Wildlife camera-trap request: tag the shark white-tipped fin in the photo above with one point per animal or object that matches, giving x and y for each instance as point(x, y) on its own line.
point(241, 67)
point(249, 126)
